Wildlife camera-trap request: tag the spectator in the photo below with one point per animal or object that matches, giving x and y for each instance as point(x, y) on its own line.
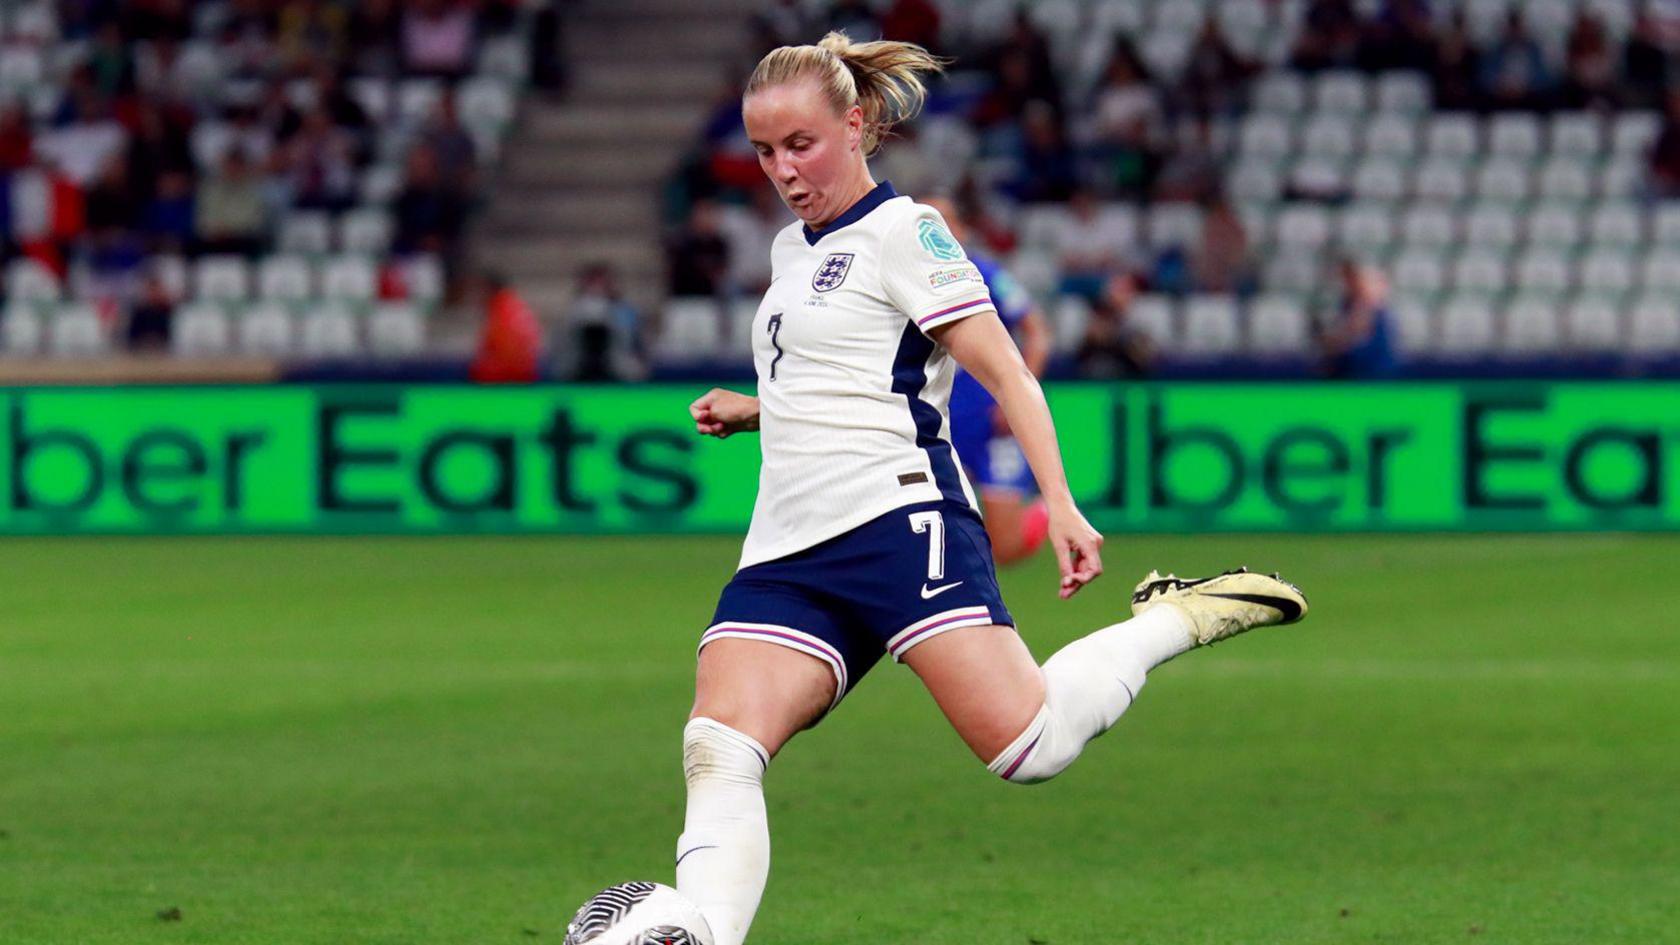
point(438, 38)
point(698, 258)
point(1044, 164)
point(1400, 36)
point(912, 21)
point(511, 340)
point(1088, 245)
point(111, 202)
point(373, 35)
point(855, 18)
point(157, 19)
point(750, 231)
point(167, 222)
point(1514, 73)
point(1111, 347)
point(149, 321)
point(320, 165)
point(602, 328)
point(310, 29)
point(16, 139)
point(457, 155)
point(1645, 62)
point(160, 146)
point(230, 213)
point(1220, 261)
point(429, 214)
point(1192, 172)
point(110, 61)
point(906, 163)
point(86, 135)
point(1329, 36)
point(1665, 152)
point(1214, 73)
point(1589, 67)
point(1356, 345)
point(1456, 68)
point(1127, 121)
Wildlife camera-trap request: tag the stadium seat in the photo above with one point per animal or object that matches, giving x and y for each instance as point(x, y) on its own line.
point(374, 96)
point(1420, 270)
point(1391, 136)
point(1283, 93)
point(29, 280)
point(172, 272)
point(379, 184)
point(1041, 224)
point(1576, 133)
point(485, 101)
point(1606, 271)
point(1441, 179)
point(20, 69)
point(1319, 175)
point(690, 329)
point(1466, 326)
point(1554, 225)
point(1165, 50)
point(395, 330)
point(1542, 270)
point(75, 331)
point(285, 279)
point(1241, 19)
point(366, 230)
point(328, 330)
point(266, 329)
point(200, 330)
point(1266, 135)
point(1565, 177)
point(417, 100)
point(1330, 135)
point(1530, 325)
point(1665, 223)
point(349, 278)
point(504, 57)
point(1303, 226)
point(1451, 135)
point(1504, 179)
point(1404, 93)
point(1428, 225)
point(1514, 135)
point(1549, 17)
point(1153, 316)
point(1069, 316)
point(1488, 225)
point(1292, 272)
point(1254, 179)
point(306, 231)
point(1593, 324)
point(1654, 326)
point(209, 142)
point(1365, 227)
point(1277, 325)
point(1661, 271)
point(1379, 178)
point(1211, 326)
point(1343, 92)
point(21, 329)
point(1622, 178)
point(424, 278)
point(1479, 270)
point(1173, 224)
point(1634, 132)
point(1414, 322)
point(1616, 224)
point(221, 279)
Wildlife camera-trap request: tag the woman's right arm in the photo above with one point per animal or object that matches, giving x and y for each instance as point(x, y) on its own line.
point(721, 412)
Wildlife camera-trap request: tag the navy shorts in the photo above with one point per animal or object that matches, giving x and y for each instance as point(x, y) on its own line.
point(883, 587)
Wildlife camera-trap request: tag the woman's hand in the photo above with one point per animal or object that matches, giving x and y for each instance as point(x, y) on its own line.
point(721, 412)
point(1078, 547)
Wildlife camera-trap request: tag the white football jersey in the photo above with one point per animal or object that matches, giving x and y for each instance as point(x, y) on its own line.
point(852, 392)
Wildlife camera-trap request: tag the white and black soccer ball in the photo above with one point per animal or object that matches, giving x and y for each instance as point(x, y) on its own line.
point(638, 914)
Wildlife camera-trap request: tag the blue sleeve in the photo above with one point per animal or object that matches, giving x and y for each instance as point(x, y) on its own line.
point(1010, 300)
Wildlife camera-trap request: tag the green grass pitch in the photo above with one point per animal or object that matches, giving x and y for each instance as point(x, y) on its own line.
point(383, 741)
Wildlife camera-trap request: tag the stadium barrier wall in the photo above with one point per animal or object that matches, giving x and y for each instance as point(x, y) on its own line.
point(1168, 457)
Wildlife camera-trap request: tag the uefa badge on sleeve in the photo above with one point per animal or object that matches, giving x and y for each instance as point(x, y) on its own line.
point(832, 272)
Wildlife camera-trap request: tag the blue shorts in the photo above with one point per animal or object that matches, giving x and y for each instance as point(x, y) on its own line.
point(994, 461)
point(883, 587)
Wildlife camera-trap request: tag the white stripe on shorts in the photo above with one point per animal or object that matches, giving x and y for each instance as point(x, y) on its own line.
point(930, 627)
point(788, 637)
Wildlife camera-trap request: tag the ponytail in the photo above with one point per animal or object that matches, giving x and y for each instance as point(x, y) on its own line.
point(883, 78)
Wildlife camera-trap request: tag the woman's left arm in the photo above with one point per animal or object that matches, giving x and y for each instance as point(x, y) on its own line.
point(983, 347)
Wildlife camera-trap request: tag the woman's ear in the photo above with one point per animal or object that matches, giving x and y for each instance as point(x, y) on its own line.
point(854, 127)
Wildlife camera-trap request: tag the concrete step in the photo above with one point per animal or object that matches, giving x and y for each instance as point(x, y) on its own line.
point(565, 254)
point(596, 164)
point(665, 82)
point(649, 122)
point(655, 39)
point(614, 210)
point(658, 8)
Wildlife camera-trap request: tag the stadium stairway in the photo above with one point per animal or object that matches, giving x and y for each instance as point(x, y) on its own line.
point(582, 174)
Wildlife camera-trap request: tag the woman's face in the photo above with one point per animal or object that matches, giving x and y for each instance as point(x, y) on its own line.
point(807, 151)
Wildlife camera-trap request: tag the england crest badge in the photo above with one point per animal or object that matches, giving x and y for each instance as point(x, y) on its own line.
point(832, 272)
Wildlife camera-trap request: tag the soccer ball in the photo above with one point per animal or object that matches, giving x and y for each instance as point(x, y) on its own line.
point(638, 914)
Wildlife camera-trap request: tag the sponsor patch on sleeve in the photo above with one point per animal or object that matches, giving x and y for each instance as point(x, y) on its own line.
point(946, 275)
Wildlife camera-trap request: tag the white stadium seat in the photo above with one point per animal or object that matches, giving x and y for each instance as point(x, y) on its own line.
point(1330, 135)
point(1554, 225)
point(222, 279)
point(21, 329)
point(1281, 92)
point(1593, 324)
point(1616, 224)
point(690, 329)
point(1565, 177)
point(349, 278)
point(1665, 223)
point(1579, 133)
point(200, 330)
point(1490, 226)
point(1478, 270)
point(1303, 226)
point(1442, 179)
point(1530, 325)
point(395, 330)
point(1634, 133)
point(1420, 270)
point(1428, 225)
point(1365, 226)
point(1391, 135)
point(1340, 91)
point(328, 330)
point(1069, 318)
point(28, 279)
point(1514, 134)
point(75, 331)
point(306, 231)
point(1211, 325)
point(1503, 179)
point(366, 230)
point(1403, 92)
point(1153, 316)
point(1293, 272)
point(1379, 178)
point(1173, 224)
point(1466, 326)
point(1654, 326)
point(1542, 270)
point(1452, 135)
point(266, 329)
point(1266, 135)
point(285, 278)
point(1277, 325)
point(1661, 271)
point(1606, 271)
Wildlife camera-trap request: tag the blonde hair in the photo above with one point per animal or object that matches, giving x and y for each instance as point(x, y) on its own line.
point(884, 78)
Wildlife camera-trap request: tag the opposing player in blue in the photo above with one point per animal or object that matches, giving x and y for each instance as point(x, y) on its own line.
point(865, 538)
point(1017, 519)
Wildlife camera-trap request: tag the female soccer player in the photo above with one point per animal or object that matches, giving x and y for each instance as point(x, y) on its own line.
point(865, 539)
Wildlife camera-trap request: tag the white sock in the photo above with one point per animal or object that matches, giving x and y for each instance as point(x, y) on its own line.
point(723, 855)
point(1088, 684)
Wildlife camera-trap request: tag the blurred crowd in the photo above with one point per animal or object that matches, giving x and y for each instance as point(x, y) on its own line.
point(1034, 132)
point(140, 131)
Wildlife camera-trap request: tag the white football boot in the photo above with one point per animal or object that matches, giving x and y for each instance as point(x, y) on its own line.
point(1218, 608)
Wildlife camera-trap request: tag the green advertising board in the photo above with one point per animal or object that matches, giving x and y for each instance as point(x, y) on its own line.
point(1180, 457)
